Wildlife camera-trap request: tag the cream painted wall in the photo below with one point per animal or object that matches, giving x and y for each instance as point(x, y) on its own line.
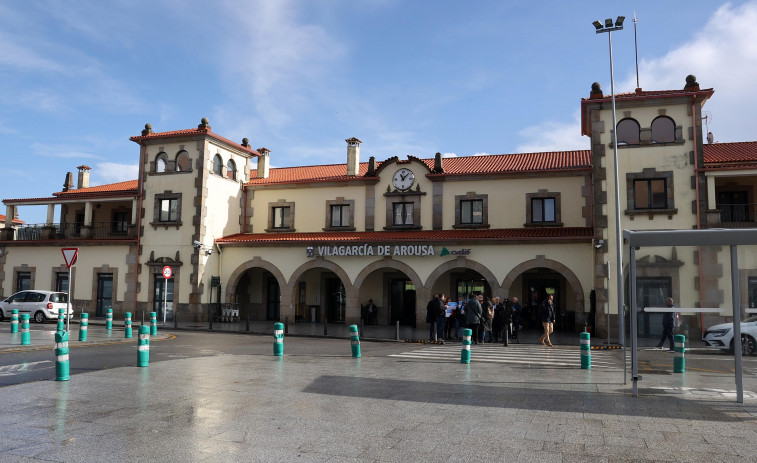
point(507, 199)
point(46, 259)
point(385, 181)
point(310, 207)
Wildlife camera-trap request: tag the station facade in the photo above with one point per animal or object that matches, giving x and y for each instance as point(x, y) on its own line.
point(316, 243)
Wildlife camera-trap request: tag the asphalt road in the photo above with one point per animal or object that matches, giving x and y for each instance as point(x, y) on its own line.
point(22, 366)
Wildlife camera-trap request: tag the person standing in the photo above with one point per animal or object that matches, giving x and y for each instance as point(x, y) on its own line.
point(498, 324)
point(668, 324)
point(370, 313)
point(547, 314)
point(487, 311)
point(517, 312)
point(473, 316)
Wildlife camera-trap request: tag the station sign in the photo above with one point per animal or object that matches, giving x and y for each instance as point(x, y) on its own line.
point(423, 250)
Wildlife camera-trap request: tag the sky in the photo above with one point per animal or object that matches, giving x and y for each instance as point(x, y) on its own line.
point(407, 77)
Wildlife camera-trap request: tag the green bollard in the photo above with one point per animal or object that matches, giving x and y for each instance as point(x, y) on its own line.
point(355, 338)
point(585, 351)
point(61, 320)
point(109, 320)
point(153, 323)
point(679, 362)
point(143, 346)
point(278, 339)
point(127, 325)
point(14, 321)
point(26, 335)
point(83, 325)
point(61, 356)
point(465, 353)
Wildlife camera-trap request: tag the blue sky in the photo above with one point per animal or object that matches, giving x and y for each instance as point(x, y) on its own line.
point(408, 77)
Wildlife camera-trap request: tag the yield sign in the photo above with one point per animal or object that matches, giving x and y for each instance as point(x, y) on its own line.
point(70, 255)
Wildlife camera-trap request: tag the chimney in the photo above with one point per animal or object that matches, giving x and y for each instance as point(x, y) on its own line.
point(264, 162)
point(438, 167)
point(68, 184)
point(83, 177)
point(371, 167)
point(691, 83)
point(353, 156)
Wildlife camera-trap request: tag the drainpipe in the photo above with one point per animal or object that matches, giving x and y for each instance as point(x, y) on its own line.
point(699, 212)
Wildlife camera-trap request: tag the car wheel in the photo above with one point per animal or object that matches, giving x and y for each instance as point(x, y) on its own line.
point(39, 317)
point(747, 345)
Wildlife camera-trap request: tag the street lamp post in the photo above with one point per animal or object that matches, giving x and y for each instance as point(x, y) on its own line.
point(609, 27)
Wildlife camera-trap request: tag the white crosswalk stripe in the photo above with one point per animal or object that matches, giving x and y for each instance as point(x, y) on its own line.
point(519, 354)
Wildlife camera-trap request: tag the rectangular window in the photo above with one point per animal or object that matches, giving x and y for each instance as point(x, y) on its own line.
point(403, 214)
point(23, 281)
point(169, 210)
point(120, 222)
point(281, 217)
point(340, 215)
point(472, 211)
point(61, 282)
point(542, 210)
point(650, 194)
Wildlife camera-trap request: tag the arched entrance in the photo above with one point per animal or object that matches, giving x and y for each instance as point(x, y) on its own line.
point(458, 278)
point(395, 289)
point(320, 291)
point(256, 288)
point(534, 280)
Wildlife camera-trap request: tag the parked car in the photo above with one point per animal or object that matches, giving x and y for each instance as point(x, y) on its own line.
point(40, 305)
point(721, 336)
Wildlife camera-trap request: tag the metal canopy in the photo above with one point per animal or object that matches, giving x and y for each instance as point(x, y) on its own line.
point(716, 237)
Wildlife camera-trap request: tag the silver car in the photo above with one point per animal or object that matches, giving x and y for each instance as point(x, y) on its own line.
point(40, 305)
point(721, 336)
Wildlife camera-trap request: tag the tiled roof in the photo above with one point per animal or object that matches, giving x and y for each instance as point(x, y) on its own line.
point(16, 221)
point(642, 94)
point(502, 234)
point(464, 165)
point(128, 187)
point(197, 131)
point(720, 155)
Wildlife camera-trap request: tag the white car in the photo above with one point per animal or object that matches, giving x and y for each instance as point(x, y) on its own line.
point(40, 305)
point(721, 336)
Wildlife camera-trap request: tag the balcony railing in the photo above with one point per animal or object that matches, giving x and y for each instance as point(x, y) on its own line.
point(75, 231)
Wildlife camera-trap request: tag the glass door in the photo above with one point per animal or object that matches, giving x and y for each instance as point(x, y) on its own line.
point(163, 290)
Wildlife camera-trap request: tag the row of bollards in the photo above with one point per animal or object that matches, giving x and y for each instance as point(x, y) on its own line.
point(679, 361)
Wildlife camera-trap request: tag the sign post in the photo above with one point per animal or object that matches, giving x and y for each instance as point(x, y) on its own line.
point(166, 274)
point(70, 255)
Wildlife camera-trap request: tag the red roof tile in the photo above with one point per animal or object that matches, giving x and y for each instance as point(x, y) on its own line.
point(720, 155)
point(128, 187)
point(16, 221)
point(502, 234)
point(463, 165)
point(198, 131)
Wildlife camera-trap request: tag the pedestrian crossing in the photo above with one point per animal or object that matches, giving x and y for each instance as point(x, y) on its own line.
point(534, 355)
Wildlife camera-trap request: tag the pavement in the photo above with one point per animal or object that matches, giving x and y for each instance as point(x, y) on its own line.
point(307, 406)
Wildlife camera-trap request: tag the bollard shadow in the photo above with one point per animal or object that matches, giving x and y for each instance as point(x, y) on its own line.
point(530, 396)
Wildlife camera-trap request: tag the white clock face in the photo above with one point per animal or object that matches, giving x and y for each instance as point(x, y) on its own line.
point(403, 179)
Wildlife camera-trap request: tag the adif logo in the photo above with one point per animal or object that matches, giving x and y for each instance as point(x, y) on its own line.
point(457, 252)
point(444, 252)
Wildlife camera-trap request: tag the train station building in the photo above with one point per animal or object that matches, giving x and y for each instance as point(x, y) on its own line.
point(315, 243)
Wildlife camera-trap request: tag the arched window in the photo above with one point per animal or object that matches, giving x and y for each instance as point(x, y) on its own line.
point(663, 130)
point(628, 132)
point(182, 161)
point(231, 170)
point(161, 160)
point(217, 165)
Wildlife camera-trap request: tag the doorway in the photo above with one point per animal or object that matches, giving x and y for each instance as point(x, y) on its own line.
point(163, 289)
point(104, 293)
point(273, 299)
point(402, 301)
point(335, 300)
point(537, 290)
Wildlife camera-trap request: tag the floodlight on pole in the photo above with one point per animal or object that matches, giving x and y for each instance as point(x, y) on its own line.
point(609, 27)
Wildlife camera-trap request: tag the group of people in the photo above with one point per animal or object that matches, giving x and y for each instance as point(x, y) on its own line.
point(490, 320)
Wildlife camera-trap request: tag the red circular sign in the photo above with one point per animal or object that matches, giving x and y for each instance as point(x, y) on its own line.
point(167, 272)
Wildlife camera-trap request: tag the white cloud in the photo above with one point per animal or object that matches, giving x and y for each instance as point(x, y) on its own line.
point(62, 151)
point(553, 136)
point(449, 155)
point(723, 56)
point(111, 172)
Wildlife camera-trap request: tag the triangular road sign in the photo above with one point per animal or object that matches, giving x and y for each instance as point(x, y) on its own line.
point(70, 255)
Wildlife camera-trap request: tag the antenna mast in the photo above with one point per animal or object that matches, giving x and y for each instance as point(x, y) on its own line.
point(636, 49)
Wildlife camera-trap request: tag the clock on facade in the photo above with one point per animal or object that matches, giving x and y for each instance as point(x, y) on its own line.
point(403, 179)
